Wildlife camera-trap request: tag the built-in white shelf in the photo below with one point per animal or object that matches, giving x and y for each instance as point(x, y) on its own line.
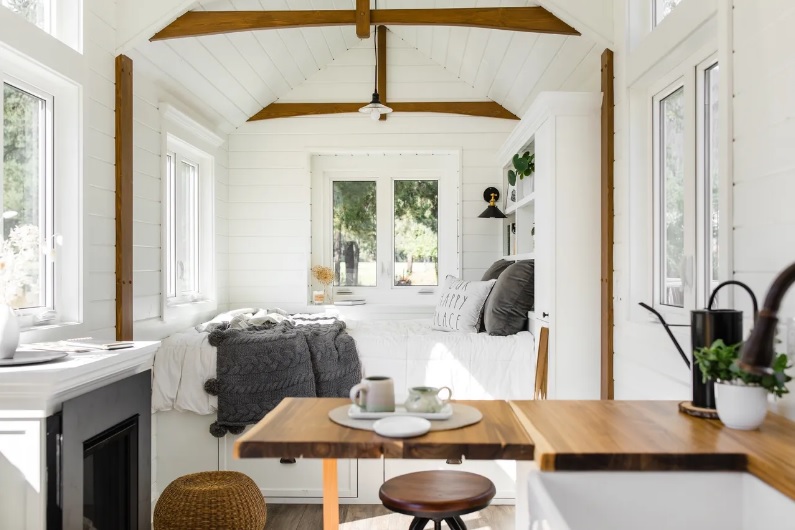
point(521, 203)
point(520, 257)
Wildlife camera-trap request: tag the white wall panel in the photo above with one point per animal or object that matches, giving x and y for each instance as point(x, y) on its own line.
point(762, 220)
point(269, 240)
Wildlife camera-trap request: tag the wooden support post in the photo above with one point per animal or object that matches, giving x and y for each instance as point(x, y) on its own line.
point(363, 19)
point(608, 215)
point(382, 67)
point(124, 198)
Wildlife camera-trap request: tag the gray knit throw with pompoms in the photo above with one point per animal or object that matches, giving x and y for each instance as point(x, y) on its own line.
point(258, 368)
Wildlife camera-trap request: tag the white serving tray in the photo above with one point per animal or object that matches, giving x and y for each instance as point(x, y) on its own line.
point(357, 413)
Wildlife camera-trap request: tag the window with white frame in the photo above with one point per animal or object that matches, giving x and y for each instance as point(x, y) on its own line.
point(687, 187)
point(662, 8)
point(59, 18)
point(40, 245)
point(388, 232)
point(188, 224)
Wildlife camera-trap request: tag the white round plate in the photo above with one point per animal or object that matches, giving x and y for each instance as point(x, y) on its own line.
point(402, 426)
point(22, 357)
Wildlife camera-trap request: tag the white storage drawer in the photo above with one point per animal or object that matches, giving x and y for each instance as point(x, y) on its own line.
point(304, 478)
point(501, 472)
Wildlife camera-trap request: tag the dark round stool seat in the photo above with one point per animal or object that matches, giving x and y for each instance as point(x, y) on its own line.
point(437, 496)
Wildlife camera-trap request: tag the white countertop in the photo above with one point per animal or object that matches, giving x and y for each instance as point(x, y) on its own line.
point(36, 391)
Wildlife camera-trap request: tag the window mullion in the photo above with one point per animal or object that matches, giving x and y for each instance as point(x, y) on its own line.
point(690, 269)
point(384, 230)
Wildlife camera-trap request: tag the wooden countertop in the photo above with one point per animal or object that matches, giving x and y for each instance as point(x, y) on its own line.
point(654, 436)
point(300, 427)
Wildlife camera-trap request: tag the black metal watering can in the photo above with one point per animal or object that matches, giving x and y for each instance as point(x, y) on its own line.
point(707, 326)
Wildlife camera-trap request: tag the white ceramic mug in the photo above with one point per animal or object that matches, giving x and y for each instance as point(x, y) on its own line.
point(375, 394)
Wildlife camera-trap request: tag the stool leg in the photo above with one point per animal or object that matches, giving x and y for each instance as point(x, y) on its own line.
point(455, 523)
point(418, 523)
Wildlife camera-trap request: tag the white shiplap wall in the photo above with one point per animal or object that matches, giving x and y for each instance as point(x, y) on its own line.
point(147, 215)
point(269, 189)
point(762, 220)
point(764, 133)
point(95, 71)
point(269, 179)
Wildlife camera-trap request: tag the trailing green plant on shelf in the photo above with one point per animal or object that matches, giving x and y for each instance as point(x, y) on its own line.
point(720, 362)
point(524, 166)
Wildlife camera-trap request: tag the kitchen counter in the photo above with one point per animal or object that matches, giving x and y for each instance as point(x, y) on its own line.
point(36, 391)
point(655, 436)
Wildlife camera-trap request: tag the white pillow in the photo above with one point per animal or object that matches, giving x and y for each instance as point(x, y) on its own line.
point(461, 304)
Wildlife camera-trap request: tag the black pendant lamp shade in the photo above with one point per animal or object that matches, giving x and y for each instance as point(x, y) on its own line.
point(492, 195)
point(375, 108)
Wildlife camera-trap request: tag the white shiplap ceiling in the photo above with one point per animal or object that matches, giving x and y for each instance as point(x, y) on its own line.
point(228, 78)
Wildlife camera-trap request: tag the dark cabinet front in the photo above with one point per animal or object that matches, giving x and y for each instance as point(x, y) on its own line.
point(99, 459)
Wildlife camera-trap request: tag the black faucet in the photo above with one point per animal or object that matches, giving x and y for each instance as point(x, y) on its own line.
point(758, 353)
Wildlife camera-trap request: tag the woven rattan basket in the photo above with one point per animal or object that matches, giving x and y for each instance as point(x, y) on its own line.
point(211, 500)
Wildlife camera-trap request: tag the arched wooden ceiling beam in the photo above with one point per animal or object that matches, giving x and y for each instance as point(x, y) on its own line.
point(488, 109)
point(528, 19)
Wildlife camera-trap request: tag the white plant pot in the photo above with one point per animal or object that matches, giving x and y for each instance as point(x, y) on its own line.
point(740, 406)
point(9, 332)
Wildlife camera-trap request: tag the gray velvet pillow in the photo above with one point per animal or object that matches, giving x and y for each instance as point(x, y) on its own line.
point(510, 300)
point(497, 268)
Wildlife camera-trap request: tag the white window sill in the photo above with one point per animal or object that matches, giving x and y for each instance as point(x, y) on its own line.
point(188, 310)
point(48, 326)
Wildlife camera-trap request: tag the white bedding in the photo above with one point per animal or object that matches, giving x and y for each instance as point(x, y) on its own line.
point(474, 365)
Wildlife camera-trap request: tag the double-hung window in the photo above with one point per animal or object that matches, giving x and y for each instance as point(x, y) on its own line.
point(188, 227)
point(686, 173)
point(386, 226)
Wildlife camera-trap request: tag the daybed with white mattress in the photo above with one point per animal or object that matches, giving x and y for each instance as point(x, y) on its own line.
point(474, 365)
point(445, 350)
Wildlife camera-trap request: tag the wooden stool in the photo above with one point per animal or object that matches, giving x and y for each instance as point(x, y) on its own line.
point(211, 500)
point(437, 496)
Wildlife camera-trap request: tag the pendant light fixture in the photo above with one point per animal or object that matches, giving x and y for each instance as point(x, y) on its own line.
point(375, 108)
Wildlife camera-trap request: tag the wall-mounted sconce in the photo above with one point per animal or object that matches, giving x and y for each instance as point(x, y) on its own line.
point(491, 196)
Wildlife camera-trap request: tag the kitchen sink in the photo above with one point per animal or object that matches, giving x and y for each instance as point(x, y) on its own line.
point(654, 501)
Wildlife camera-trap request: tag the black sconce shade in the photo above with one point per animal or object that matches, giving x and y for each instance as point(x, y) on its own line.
point(492, 195)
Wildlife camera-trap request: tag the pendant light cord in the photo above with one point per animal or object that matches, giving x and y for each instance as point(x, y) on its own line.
point(375, 47)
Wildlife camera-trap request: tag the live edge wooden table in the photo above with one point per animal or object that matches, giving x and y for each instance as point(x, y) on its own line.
point(300, 427)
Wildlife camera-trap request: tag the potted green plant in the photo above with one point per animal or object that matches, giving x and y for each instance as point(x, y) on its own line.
point(523, 166)
point(740, 396)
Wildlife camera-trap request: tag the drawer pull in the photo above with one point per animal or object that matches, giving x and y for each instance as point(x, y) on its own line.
point(454, 461)
point(544, 315)
point(287, 460)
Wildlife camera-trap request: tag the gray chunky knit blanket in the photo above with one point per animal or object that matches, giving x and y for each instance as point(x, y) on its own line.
point(258, 367)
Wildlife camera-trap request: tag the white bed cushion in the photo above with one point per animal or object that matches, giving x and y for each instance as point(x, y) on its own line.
point(461, 304)
point(474, 365)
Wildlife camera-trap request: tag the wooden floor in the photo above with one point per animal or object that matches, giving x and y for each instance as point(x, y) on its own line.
point(375, 517)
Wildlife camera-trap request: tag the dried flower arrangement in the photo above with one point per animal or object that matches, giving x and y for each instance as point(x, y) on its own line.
point(19, 265)
point(323, 274)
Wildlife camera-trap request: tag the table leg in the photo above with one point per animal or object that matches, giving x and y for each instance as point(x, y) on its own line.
point(331, 495)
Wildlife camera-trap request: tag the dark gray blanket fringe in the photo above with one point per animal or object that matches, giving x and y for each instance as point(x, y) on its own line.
point(257, 368)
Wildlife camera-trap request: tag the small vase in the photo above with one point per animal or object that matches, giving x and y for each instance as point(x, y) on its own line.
point(329, 297)
point(9, 332)
point(521, 183)
point(741, 406)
